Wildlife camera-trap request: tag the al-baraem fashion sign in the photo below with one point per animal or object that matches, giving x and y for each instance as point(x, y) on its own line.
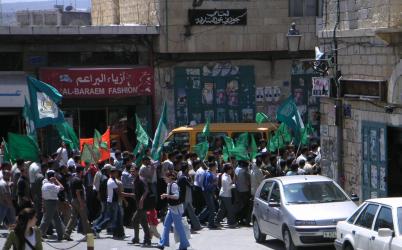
point(100, 82)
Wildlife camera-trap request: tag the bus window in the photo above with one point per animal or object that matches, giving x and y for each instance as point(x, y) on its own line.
point(257, 136)
point(178, 141)
point(215, 140)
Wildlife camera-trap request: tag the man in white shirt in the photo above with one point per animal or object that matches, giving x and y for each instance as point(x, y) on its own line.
point(50, 189)
point(256, 177)
point(303, 155)
point(62, 154)
point(198, 197)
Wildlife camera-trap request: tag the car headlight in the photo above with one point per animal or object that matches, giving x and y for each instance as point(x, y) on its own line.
point(305, 223)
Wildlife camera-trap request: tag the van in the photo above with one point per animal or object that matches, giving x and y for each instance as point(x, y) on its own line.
point(187, 137)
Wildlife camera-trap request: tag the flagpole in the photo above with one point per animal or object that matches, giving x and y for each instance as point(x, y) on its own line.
point(4, 143)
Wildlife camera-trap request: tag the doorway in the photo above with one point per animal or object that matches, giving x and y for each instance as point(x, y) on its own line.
point(394, 160)
point(9, 123)
point(90, 120)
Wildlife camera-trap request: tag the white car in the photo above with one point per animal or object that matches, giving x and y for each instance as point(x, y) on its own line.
point(375, 225)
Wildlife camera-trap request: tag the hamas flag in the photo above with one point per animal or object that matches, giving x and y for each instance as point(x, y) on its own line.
point(160, 135)
point(43, 101)
point(289, 114)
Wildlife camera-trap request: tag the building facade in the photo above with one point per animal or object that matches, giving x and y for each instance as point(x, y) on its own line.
point(368, 39)
point(223, 60)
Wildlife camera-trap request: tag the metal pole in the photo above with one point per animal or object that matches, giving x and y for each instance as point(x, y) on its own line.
point(339, 109)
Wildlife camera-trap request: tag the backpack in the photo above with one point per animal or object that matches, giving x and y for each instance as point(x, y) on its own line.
point(103, 188)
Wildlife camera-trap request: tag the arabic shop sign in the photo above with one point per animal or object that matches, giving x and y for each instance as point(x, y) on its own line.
point(100, 82)
point(217, 17)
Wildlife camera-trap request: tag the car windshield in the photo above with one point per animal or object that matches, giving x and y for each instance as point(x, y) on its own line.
point(313, 192)
point(399, 214)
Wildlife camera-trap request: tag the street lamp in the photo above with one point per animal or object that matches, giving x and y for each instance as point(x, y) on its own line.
point(294, 38)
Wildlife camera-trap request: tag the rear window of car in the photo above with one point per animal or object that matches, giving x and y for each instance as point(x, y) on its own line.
point(384, 219)
point(399, 215)
point(366, 217)
point(352, 218)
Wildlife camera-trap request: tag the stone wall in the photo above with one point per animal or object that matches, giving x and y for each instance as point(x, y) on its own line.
point(362, 111)
point(363, 14)
point(266, 29)
point(105, 12)
point(267, 73)
point(139, 12)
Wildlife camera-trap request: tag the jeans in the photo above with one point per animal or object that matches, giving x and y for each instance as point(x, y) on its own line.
point(226, 208)
point(51, 214)
point(245, 207)
point(195, 223)
point(109, 217)
point(102, 213)
point(173, 218)
point(7, 212)
point(210, 211)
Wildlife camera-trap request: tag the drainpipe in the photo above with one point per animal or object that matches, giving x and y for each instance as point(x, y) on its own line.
point(338, 105)
point(166, 27)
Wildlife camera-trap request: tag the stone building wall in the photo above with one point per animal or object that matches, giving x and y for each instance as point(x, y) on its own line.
point(105, 12)
point(139, 12)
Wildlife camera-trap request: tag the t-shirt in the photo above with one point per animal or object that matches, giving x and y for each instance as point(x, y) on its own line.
point(32, 239)
point(111, 186)
point(71, 163)
point(199, 177)
point(64, 156)
point(139, 188)
point(34, 169)
point(5, 191)
point(50, 190)
point(76, 185)
point(242, 179)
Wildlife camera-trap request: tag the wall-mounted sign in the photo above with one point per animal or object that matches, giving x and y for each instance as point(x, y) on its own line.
point(217, 16)
point(321, 86)
point(100, 82)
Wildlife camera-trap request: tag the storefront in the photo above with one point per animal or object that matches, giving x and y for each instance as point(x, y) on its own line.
point(97, 98)
point(13, 89)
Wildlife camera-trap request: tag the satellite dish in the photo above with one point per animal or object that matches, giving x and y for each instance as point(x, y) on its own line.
point(69, 8)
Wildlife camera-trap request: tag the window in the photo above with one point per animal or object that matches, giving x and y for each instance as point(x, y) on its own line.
point(265, 190)
point(352, 218)
point(367, 216)
point(299, 8)
point(215, 140)
point(275, 194)
point(177, 140)
point(399, 214)
point(384, 219)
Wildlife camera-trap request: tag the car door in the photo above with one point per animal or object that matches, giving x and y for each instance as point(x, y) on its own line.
point(363, 227)
point(274, 212)
point(384, 220)
point(261, 206)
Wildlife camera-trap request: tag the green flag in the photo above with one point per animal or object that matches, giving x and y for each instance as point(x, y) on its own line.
point(88, 154)
point(160, 135)
point(261, 117)
point(305, 133)
point(276, 142)
point(6, 154)
point(205, 130)
point(283, 131)
point(201, 149)
point(253, 147)
point(28, 116)
point(67, 134)
point(242, 140)
point(98, 143)
point(289, 114)
point(43, 100)
point(142, 136)
point(23, 147)
point(226, 149)
point(240, 152)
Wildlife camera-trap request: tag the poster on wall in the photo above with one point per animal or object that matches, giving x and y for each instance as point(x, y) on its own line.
point(321, 86)
point(220, 92)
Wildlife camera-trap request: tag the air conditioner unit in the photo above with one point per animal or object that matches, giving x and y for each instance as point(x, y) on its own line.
point(364, 89)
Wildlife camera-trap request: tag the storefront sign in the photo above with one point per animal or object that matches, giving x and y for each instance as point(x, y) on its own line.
point(100, 82)
point(321, 86)
point(13, 89)
point(217, 17)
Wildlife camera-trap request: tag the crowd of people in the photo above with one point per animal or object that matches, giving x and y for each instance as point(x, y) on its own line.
point(62, 194)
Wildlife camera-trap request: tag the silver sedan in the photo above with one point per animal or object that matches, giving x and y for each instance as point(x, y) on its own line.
point(300, 210)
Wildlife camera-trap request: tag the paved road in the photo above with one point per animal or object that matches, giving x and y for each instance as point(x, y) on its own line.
point(224, 239)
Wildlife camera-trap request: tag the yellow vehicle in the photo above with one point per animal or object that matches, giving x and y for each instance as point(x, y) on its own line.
point(187, 136)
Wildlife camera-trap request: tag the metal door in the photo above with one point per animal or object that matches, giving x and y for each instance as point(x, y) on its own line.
point(374, 154)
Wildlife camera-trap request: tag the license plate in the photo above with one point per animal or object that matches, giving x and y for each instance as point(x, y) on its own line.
point(329, 235)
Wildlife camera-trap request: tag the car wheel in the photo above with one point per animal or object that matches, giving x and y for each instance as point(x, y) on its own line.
point(259, 237)
point(348, 247)
point(287, 239)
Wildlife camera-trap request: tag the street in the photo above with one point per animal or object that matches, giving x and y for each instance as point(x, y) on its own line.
point(233, 239)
